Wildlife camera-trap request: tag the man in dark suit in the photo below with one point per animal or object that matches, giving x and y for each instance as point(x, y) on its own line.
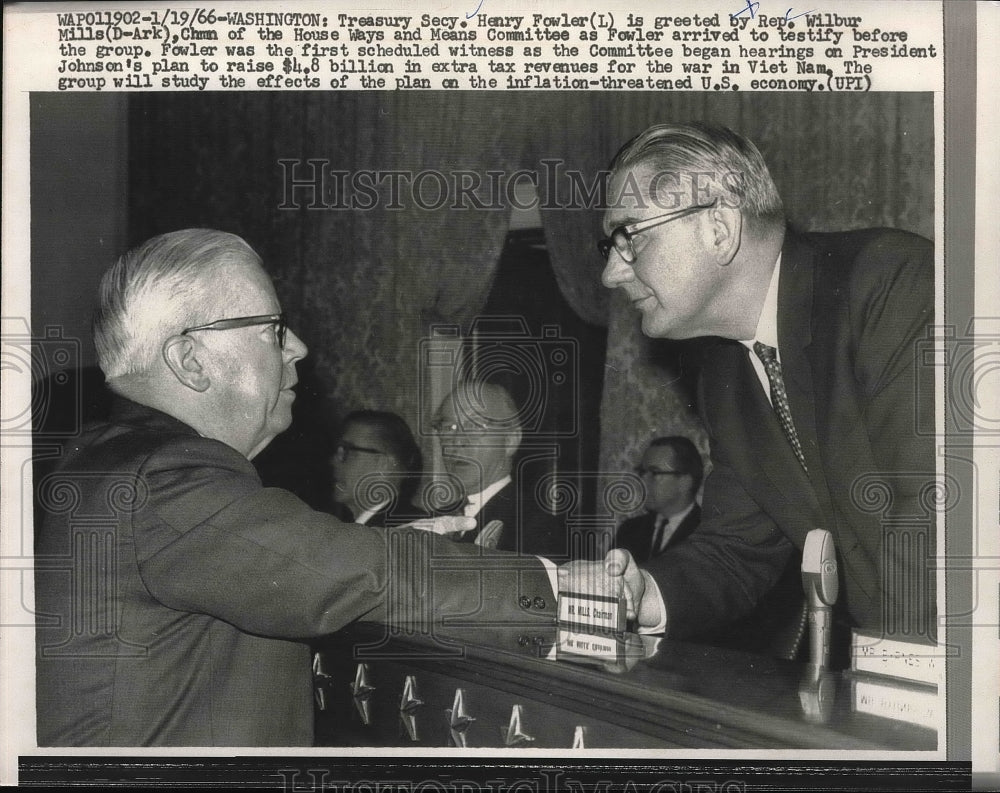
point(479, 429)
point(671, 470)
point(376, 469)
point(175, 593)
point(812, 390)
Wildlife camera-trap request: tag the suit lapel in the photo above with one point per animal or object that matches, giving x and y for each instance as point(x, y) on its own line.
point(797, 314)
point(688, 525)
point(744, 423)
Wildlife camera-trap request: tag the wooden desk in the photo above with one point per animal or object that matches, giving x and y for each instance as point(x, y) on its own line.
point(518, 691)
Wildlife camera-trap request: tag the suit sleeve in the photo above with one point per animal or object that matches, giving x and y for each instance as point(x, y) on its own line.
point(897, 392)
point(211, 539)
point(725, 566)
point(898, 385)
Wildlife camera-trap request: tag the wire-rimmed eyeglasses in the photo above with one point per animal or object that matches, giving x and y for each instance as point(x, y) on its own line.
point(278, 320)
point(621, 236)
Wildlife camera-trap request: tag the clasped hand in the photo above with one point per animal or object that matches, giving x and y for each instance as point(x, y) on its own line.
point(616, 576)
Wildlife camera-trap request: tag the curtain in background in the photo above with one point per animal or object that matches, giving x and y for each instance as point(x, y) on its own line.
point(364, 287)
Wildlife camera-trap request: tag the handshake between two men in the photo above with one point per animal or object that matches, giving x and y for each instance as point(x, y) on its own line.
point(616, 576)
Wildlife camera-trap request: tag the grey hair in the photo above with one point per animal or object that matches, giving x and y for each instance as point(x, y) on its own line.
point(732, 165)
point(154, 291)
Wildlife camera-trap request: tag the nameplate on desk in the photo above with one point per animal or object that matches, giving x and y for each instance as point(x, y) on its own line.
point(591, 645)
point(591, 612)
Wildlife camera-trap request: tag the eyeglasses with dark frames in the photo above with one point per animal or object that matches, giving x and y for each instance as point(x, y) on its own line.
point(641, 471)
point(345, 449)
point(278, 320)
point(621, 236)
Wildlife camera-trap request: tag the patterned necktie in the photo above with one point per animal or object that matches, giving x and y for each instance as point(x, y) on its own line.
point(779, 399)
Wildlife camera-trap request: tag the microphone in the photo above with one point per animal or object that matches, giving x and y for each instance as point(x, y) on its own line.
point(820, 585)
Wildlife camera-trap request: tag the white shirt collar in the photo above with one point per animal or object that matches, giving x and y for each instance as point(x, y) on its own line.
point(677, 518)
point(767, 323)
point(478, 500)
point(368, 514)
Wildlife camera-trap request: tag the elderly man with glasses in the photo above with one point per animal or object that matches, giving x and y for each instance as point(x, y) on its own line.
point(813, 389)
point(479, 429)
point(175, 593)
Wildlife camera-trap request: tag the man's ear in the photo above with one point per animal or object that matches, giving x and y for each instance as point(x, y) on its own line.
point(512, 442)
point(724, 233)
point(179, 355)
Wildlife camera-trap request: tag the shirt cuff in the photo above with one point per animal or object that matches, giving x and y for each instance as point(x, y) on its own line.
point(552, 571)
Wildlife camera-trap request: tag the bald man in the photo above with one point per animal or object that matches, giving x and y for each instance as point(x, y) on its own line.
point(479, 428)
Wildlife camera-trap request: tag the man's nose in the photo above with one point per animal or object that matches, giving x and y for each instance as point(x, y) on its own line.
point(616, 271)
point(295, 348)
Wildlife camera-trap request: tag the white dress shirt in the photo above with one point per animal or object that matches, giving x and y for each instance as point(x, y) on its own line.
point(670, 527)
point(478, 500)
point(767, 330)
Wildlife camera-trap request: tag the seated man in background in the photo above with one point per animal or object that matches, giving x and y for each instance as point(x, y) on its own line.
point(377, 467)
point(480, 432)
point(175, 593)
point(671, 470)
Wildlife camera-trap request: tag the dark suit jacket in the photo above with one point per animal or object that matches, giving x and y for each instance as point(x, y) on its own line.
point(636, 534)
point(527, 528)
point(175, 593)
point(853, 310)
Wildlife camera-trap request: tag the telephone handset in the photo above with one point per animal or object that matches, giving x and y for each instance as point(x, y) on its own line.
point(820, 585)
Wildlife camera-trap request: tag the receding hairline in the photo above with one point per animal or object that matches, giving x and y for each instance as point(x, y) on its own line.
point(490, 401)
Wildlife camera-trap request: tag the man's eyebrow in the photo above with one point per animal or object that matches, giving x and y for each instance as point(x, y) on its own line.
point(624, 220)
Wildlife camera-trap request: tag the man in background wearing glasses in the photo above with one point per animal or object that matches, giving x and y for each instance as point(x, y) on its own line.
point(811, 388)
point(175, 593)
point(671, 471)
point(479, 428)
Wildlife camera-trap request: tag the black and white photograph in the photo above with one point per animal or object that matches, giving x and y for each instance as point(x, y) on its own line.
point(520, 438)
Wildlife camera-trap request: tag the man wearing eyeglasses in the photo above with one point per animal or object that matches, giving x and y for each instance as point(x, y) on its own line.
point(811, 388)
point(671, 472)
point(376, 468)
point(175, 593)
point(478, 426)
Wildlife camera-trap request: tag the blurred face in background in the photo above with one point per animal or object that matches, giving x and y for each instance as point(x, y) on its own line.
point(365, 475)
point(477, 444)
point(668, 491)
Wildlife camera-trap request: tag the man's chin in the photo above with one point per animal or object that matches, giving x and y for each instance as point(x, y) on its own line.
point(656, 326)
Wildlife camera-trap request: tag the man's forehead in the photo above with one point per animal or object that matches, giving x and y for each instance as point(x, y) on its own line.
point(628, 195)
point(241, 285)
point(660, 455)
point(479, 404)
point(642, 191)
point(361, 434)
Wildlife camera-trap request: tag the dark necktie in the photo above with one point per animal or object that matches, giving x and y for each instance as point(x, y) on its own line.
point(660, 526)
point(779, 399)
